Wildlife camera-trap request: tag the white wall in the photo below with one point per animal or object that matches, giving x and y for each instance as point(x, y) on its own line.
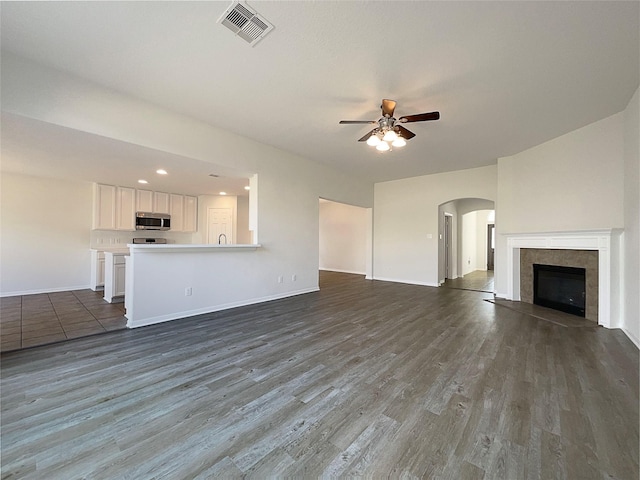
point(205, 202)
point(406, 214)
point(631, 251)
point(474, 240)
point(289, 185)
point(572, 183)
point(468, 205)
point(448, 209)
point(469, 236)
point(45, 234)
point(243, 234)
point(343, 237)
point(482, 220)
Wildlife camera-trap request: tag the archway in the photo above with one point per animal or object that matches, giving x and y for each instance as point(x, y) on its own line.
point(464, 242)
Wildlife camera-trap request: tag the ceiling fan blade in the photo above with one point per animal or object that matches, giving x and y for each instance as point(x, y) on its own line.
point(366, 137)
point(420, 117)
point(406, 134)
point(388, 106)
point(354, 122)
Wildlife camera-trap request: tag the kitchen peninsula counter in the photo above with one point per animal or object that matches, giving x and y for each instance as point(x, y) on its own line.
point(173, 281)
point(185, 247)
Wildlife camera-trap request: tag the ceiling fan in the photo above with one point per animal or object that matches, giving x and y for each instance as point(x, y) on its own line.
point(389, 132)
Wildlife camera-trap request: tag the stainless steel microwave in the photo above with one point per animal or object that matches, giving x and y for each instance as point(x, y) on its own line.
point(153, 221)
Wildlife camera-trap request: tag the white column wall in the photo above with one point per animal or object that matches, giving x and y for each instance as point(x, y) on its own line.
point(631, 238)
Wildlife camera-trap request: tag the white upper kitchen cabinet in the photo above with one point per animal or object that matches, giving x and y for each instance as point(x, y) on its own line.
point(160, 202)
point(144, 201)
point(190, 214)
point(125, 208)
point(104, 207)
point(176, 210)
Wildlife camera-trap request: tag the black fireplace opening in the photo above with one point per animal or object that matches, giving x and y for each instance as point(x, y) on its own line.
point(560, 288)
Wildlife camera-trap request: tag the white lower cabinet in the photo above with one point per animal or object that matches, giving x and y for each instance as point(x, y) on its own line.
point(97, 270)
point(114, 276)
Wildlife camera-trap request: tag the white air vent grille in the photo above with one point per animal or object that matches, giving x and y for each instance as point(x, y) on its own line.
point(245, 23)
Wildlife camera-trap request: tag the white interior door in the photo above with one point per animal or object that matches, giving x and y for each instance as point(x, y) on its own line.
point(219, 226)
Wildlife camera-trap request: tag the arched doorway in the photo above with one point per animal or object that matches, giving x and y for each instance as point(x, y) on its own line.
point(466, 242)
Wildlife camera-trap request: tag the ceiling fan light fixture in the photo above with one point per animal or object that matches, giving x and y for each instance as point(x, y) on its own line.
point(389, 133)
point(399, 142)
point(373, 140)
point(390, 136)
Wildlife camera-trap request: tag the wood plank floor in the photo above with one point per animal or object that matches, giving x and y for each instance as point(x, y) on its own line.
point(362, 378)
point(480, 280)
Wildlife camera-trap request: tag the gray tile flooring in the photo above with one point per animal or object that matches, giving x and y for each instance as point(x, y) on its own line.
point(30, 320)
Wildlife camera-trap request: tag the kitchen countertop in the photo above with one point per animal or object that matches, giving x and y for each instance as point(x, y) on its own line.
point(111, 249)
point(183, 247)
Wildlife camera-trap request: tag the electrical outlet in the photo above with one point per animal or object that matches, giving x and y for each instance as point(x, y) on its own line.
point(188, 292)
point(280, 279)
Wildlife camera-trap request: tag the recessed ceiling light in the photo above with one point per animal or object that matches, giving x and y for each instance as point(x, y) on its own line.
point(161, 172)
point(247, 187)
point(223, 193)
point(142, 181)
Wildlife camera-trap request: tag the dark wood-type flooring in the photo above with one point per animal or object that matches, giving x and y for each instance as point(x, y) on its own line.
point(363, 378)
point(29, 320)
point(479, 280)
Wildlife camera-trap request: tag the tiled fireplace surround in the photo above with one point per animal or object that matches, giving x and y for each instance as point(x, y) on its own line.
point(587, 259)
point(591, 250)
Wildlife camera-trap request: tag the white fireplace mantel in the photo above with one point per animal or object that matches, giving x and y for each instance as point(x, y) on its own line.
point(599, 240)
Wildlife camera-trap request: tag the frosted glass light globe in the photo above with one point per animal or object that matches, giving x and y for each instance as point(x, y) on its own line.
point(390, 136)
point(399, 142)
point(373, 140)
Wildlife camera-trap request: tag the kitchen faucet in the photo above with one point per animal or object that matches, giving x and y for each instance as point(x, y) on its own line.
point(220, 238)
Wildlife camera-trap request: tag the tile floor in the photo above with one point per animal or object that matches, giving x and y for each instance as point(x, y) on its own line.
point(30, 320)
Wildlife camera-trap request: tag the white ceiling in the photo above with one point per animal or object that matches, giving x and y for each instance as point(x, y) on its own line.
point(505, 76)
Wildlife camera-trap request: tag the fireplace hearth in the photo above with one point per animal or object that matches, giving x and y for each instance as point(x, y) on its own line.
point(561, 288)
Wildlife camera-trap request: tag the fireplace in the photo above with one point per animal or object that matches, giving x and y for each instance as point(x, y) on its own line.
point(605, 244)
point(561, 288)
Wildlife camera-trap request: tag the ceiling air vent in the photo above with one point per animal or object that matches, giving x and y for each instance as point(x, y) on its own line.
point(245, 23)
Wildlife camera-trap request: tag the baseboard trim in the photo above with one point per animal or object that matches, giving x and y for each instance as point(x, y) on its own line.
point(409, 282)
point(632, 337)
point(342, 271)
point(143, 322)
